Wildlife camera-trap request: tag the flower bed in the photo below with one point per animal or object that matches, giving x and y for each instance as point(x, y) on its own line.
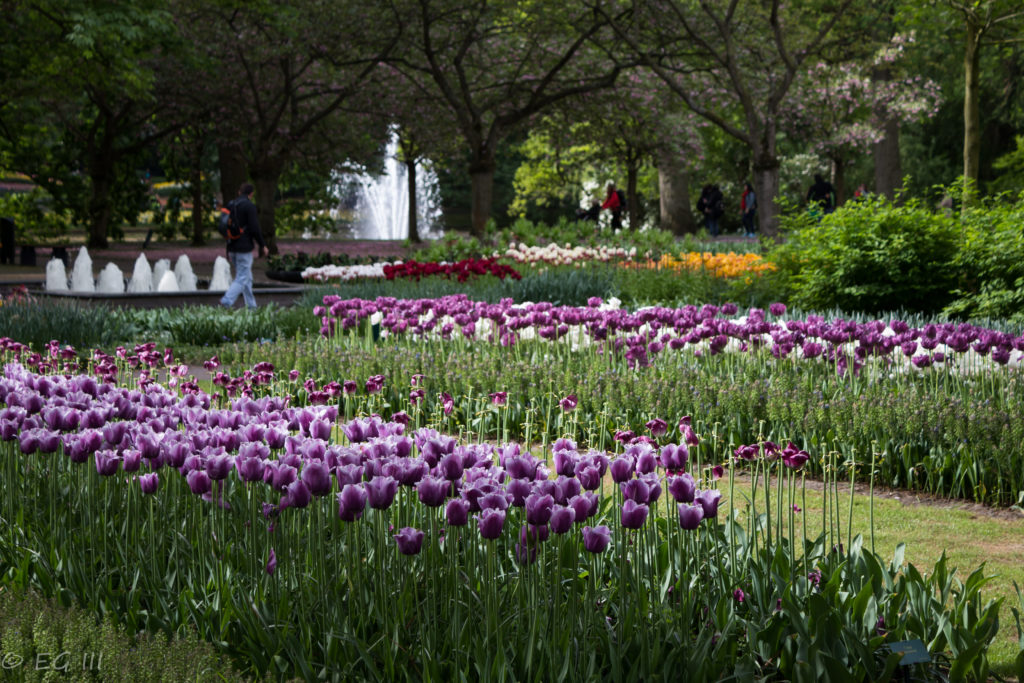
point(461, 270)
point(723, 265)
point(555, 255)
point(297, 538)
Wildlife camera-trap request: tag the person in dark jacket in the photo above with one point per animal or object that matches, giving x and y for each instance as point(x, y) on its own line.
point(711, 205)
point(748, 209)
point(821, 197)
point(240, 250)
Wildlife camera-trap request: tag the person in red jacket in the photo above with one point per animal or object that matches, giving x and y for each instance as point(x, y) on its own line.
point(613, 202)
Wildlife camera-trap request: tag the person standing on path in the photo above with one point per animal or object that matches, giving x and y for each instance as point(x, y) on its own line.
point(613, 202)
point(239, 250)
point(748, 209)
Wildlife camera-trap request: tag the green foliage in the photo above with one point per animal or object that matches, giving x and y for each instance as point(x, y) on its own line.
point(38, 321)
point(43, 641)
point(35, 221)
point(868, 256)
point(1011, 168)
point(990, 262)
point(665, 287)
point(301, 260)
point(213, 325)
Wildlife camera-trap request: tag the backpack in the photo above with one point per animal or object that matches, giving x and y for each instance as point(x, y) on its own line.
point(228, 224)
point(622, 198)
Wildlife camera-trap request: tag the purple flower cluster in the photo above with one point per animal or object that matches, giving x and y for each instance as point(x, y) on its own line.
point(288, 454)
point(643, 334)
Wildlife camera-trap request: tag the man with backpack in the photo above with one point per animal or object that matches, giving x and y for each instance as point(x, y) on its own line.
point(240, 226)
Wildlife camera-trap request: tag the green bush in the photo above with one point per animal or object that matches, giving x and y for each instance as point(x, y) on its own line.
point(213, 325)
point(42, 641)
point(990, 262)
point(34, 220)
point(868, 256)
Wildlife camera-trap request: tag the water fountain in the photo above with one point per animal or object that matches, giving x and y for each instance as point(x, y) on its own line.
point(111, 280)
point(221, 279)
point(81, 273)
point(142, 277)
point(168, 283)
point(382, 204)
point(184, 275)
point(161, 267)
point(56, 276)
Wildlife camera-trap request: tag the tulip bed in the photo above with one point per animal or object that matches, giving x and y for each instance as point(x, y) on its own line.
point(937, 403)
point(308, 537)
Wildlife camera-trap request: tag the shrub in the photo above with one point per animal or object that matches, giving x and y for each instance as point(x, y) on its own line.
point(37, 321)
point(868, 256)
point(990, 262)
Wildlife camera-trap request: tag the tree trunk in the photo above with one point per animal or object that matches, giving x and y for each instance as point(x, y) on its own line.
point(231, 160)
point(972, 117)
point(414, 233)
point(674, 195)
point(766, 185)
point(266, 191)
point(481, 174)
point(886, 152)
point(196, 181)
point(839, 180)
point(100, 207)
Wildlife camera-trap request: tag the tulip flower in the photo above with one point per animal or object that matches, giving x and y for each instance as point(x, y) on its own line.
point(709, 501)
point(457, 512)
point(633, 514)
point(409, 541)
point(690, 516)
point(490, 522)
point(381, 492)
point(596, 539)
point(351, 502)
point(149, 482)
point(562, 519)
point(271, 562)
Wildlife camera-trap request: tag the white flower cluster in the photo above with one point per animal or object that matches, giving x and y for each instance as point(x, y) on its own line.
point(345, 273)
point(562, 256)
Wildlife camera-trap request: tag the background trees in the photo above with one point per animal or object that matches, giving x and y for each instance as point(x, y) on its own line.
point(223, 91)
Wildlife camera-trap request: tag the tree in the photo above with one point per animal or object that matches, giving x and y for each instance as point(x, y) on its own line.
point(83, 111)
point(287, 87)
point(844, 110)
point(734, 64)
point(496, 65)
point(984, 21)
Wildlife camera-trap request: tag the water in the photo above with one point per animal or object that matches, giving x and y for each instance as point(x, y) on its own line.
point(161, 267)
point(184, 275)
point(81, 273)
point(142, 277)
point(221, 279)
point(56, 276)
point(167, 283)
point(382, 202)
point(111, 280)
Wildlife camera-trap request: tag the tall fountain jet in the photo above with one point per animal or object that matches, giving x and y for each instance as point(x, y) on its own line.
point(81, 273)
point(382, 204)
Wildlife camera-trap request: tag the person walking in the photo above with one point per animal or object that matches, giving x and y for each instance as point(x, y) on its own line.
point(821, 196)
point(748, 209)
point(711, 205)
point(239, 249)
point(614, 203)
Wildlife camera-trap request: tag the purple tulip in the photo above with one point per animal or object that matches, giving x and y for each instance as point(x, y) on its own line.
point(297, 495)
point(149, 482)
point(519, 489)
point(381, 492)
point(499, 398)
point(432, 490)
point(348, 474)
point(451, 467)
point(562, 519)
point(596, 539)
point(490, 522)
point(457, 512)
point(198, 482)
point(497, 500)
point(131, 461)
point(589, 478)
point(633, 514)
point(690, 516)
point(568, 403)
point(409, 540)
point(709, 501)
point(351, 502)
point(218, 466)
point(674, 457)
point(272, 562)
point(316, 477)
point(657, 427)
point(636, 490)
point(682, 487)
point(538, 508)
point(622, 469)
point(447, 404)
